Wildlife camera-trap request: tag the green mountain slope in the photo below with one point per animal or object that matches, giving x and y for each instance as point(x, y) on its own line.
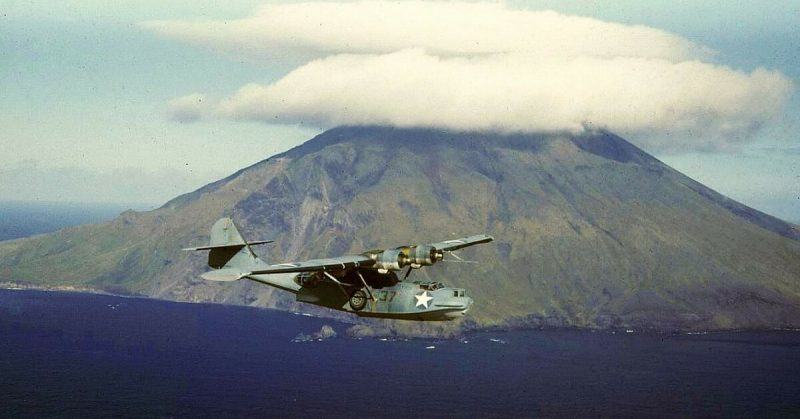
point(590, 231)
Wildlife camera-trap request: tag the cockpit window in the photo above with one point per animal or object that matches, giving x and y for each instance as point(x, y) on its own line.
point(455, 293)
point(461, 293)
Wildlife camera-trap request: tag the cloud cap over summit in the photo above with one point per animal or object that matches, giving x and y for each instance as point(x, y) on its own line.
point(485, 67)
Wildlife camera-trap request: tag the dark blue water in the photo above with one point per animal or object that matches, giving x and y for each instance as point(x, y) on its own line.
point(22, 219)
point(88, 355)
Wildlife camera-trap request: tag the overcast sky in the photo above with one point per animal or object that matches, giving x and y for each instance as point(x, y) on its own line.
point(139, 101)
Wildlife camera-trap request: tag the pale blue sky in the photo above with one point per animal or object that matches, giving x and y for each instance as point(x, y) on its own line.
point(83, 92)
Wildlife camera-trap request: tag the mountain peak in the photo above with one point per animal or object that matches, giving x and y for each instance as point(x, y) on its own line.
point(599, 142)
point(426, 142)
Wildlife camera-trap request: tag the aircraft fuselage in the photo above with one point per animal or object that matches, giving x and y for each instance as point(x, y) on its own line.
point(392, 299)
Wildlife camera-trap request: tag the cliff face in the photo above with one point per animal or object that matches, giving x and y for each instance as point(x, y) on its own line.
point(590, 231)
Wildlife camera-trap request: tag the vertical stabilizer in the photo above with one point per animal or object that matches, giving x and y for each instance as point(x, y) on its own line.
point(228, 247)
point(225, 233)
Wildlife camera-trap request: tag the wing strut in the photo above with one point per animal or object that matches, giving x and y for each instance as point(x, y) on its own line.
point(341, 287)
point(364, 281)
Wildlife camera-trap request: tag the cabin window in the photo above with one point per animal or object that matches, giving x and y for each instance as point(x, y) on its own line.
point(461, 293)
point(455, 293)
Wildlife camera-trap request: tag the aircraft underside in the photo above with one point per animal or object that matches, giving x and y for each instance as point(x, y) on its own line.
point(402, 300)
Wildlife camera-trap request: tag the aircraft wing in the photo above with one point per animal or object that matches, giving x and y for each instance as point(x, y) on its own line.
point(348, 262)
point(315, 265)
point(450, 245)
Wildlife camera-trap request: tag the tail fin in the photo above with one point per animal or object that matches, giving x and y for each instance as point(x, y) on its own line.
point(227, 248)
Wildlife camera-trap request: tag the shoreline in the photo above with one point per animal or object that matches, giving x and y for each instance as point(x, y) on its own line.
point(16, 286)
point(7, 285)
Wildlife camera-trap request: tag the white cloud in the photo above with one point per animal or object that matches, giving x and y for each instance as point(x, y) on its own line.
point(482, 66)
point(513, 92)
point(442, 28)
point(189, 108)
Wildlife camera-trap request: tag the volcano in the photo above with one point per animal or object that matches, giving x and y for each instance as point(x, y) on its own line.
point(590, 231)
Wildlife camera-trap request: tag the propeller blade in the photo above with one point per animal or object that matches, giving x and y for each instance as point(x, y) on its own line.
point(408, 272)
point(459, 259)
point(455, 255)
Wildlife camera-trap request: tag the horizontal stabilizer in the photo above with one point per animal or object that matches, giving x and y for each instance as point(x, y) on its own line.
point(225, 246)
point(222, 275)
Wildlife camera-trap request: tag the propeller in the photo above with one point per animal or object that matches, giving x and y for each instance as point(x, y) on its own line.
point(458, 259)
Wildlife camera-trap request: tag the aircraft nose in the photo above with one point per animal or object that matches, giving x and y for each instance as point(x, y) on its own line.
point(457, 306)
point(467, 304)
point(463, 306)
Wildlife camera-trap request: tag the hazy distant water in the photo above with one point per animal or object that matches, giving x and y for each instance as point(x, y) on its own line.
point(22, 219)
point(89, 355)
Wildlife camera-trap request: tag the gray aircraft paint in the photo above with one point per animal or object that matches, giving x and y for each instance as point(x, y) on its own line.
point(366, 285)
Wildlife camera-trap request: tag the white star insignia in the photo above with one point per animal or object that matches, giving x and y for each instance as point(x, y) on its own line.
point(423, 299)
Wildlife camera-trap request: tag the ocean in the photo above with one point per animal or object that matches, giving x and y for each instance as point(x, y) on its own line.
point(84, 355)
point(22, 219)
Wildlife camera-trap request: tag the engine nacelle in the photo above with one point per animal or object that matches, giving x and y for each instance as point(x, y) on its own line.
point(423, 256)
point(308, 279)
point(391, 260)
